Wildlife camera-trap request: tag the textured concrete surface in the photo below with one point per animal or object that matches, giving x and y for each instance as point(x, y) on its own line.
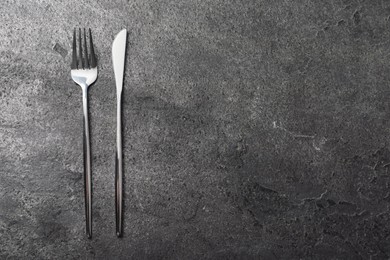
point(252, 130)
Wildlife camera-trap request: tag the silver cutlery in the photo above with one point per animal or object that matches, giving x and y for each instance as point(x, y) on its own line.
point(84, 73)
point(118, 59)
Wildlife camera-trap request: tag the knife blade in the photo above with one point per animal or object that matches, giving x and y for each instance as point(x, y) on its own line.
point(118, 60)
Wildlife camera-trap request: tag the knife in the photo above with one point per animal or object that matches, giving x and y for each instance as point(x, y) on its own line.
point(118, 60)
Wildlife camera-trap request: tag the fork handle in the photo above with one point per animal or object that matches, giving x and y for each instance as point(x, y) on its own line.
point(119, 173)
point(87, 166)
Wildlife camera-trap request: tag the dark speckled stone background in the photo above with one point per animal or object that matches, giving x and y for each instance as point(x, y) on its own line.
point(252, 130)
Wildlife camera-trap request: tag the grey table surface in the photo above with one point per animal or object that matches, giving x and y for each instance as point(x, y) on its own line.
point(252, 130)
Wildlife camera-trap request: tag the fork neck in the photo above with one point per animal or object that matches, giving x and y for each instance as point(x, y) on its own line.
point(84, 87)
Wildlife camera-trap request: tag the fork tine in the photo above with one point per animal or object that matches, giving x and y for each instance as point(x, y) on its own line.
point(74, 52)
point(93, 57)
point(81, 51)
point(86, 51)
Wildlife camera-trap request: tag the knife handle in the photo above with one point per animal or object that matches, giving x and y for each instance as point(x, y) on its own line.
point(119, 175)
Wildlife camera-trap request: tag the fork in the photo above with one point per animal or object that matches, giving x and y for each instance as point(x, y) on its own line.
point(84, 73)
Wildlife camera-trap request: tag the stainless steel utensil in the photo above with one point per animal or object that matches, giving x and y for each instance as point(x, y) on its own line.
point(118, 59)
point(84, 73)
